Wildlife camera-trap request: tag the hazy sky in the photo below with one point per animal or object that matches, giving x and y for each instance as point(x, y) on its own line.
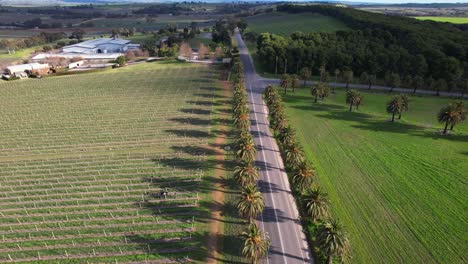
point(413, 1)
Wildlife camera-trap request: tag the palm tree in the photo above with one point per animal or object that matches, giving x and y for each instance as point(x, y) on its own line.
point(256, 243)
point(320, 89)
point(287, 135)
point(294, 155)
point(353, 98)
point(246, 174)
point(394, 106)
point(316, 203)
point(294, 82)
point(279, 123)
point(250, 203)
point(242, 121)
point(460, 116)
point(246, 150)
point(333, 240)
point(447, 115)
point(303, 176)
point(270, 94)
point(284, 82)
point(305, 74)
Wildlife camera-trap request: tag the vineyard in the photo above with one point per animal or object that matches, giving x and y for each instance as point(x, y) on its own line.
point(107, 166)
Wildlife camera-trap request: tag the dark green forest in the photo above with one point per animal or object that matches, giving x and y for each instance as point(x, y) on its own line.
point(378, 44)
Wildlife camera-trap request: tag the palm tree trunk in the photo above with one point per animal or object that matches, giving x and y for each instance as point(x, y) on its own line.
point(370, 85)
point(451, 126)
point(350, 107)
point(446, 125)
point(393, 116)
point(347, 85)
point(399, 116)
point(329, 259)
point(316, 98)
point(414, 91)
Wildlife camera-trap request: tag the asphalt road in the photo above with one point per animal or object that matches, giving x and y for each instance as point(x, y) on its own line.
point(280, 218)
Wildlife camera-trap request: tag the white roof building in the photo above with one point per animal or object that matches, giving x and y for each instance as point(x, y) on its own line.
point(101, 45)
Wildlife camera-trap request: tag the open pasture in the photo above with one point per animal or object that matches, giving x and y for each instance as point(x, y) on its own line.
point(84, 158)
point(285, 24)
point(454, 20)
point(399, 188)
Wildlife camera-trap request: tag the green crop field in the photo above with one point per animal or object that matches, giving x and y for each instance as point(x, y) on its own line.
point(84, 158)
point(284, 23)
point(454, 20)
point(399, 188)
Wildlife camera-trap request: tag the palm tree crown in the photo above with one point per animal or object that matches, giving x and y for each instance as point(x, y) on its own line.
point(332, 240)
point(250, 203)
point(303, 176)
point(353, 98)
point(256, 243)
point(447, 115)
point(246, 174)
point(316, 203)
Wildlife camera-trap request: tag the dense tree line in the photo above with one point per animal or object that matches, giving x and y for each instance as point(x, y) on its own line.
point(377, 44)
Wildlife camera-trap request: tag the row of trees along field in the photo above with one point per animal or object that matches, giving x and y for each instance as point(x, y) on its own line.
point(430, 54)
point(250, 203)
point(450, 115)
point(329, 240)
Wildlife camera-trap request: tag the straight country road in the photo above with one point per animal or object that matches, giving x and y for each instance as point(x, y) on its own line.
point(280, 219)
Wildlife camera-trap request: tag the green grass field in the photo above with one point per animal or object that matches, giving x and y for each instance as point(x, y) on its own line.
point(454, 20)
point(399, 188)
point(84, 157)
point(284, 23)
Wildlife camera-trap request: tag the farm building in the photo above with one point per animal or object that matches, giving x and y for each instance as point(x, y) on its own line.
point(19, 70)
point(101, 45)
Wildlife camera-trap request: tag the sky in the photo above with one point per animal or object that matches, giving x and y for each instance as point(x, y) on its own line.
point(413, 1)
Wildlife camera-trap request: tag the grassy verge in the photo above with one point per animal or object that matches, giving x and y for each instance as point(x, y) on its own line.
point(398, 187)
point(454, 20)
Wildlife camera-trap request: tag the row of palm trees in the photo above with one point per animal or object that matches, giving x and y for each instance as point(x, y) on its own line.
point(451, 115)
point(250, 203)
point(330, 239)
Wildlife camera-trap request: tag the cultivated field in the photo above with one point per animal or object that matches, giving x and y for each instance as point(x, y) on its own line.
point(454, 20)
point(84, 159)
point(400, 188)
point(284, 23)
